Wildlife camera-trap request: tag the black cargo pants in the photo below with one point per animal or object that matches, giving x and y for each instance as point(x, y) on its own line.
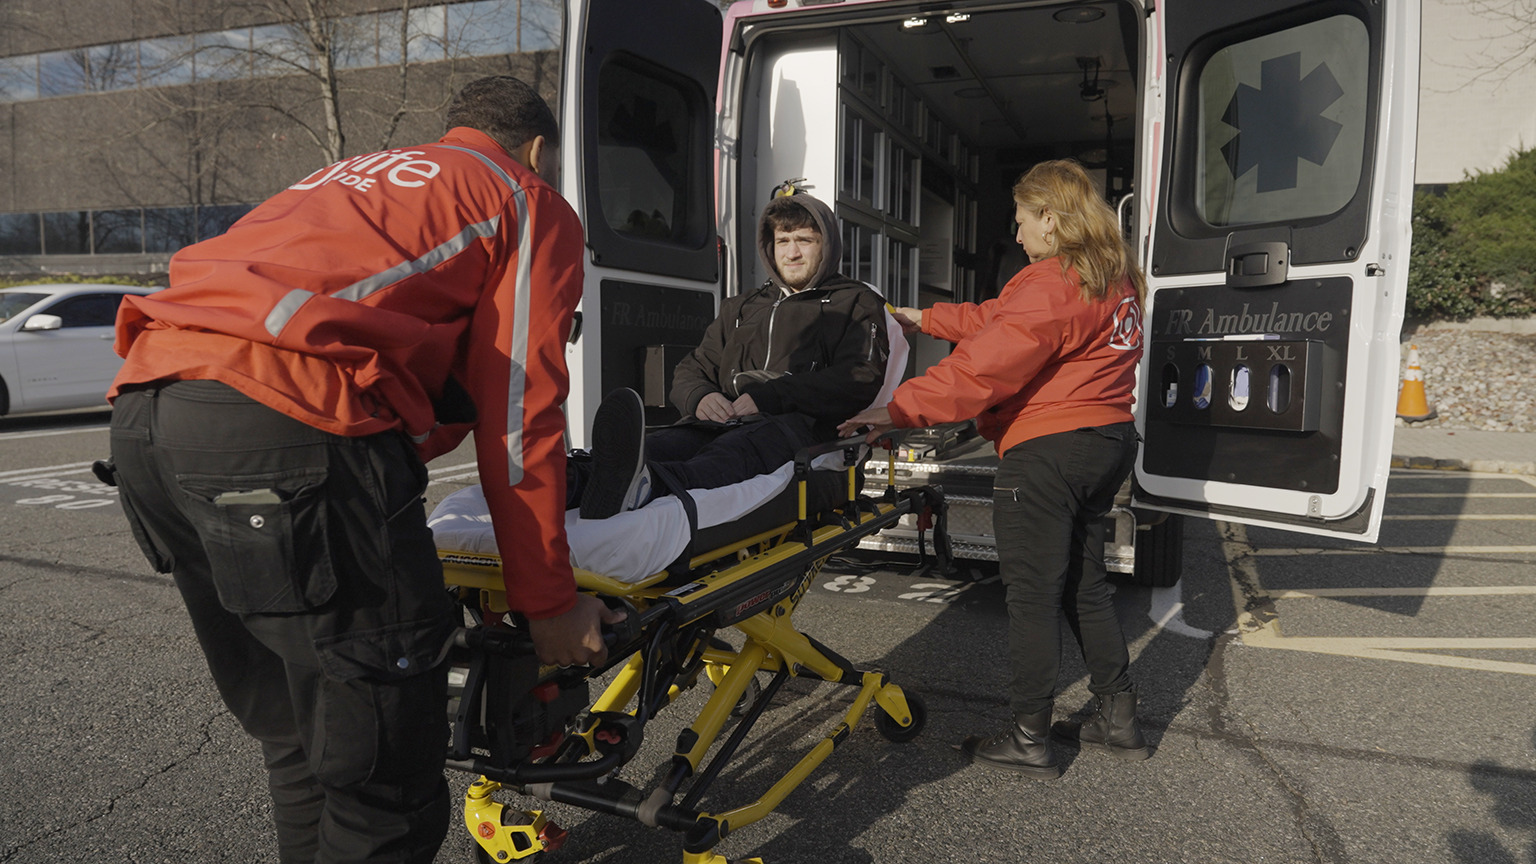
point(1049, 503)
point(314, 589)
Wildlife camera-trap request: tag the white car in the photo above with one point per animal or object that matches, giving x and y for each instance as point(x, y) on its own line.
point(56, 345)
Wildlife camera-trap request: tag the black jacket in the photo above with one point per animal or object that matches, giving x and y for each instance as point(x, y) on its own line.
point(819, 352)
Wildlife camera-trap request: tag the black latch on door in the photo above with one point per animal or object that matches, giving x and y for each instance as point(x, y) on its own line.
point(1257, 265)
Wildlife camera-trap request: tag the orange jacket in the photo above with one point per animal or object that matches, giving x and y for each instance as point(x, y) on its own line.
point(1035, 361)
point(349, 299)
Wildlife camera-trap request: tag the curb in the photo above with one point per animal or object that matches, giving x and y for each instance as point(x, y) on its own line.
point(1484, 466)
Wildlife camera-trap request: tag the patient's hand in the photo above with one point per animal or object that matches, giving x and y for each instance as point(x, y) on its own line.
point(575, 638)
point(714, 407)
point(744, 406)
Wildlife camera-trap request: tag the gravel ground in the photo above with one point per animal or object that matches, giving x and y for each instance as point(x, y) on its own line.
point(1477, 380)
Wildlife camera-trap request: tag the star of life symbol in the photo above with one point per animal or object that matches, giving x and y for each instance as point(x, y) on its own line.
point(1127, 332)
point(1281, 122)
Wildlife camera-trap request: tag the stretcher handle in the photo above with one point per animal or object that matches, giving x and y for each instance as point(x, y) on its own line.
point(806, 455)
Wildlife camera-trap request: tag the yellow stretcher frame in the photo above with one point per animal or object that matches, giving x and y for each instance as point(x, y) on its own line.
point(753, 586)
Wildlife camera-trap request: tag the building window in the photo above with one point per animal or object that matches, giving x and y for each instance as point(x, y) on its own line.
point(20, 234)
point(63, 73)
point(18, 78)
point(214, 220)
point(167, 229)
point(117, 231)
point(67, 233)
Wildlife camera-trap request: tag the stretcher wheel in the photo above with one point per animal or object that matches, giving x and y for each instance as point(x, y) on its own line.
point(748, 696)
point(894, 731)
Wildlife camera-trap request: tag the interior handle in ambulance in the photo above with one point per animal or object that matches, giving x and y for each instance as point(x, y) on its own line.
point(1127, 231)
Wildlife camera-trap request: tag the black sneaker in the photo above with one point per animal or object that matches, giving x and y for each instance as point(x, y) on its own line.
point(619, 479)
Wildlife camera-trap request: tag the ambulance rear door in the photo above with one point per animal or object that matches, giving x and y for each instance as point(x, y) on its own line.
point(637, 119)
point(1276, 183)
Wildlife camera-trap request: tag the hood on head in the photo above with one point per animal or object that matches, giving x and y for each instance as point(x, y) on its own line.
point(831, 242)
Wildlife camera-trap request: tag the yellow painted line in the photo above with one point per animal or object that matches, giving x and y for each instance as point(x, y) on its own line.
point(1465, 517)
point(1397, 550)
point(1427, 591)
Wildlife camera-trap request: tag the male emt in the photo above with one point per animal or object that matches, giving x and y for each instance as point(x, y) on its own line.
point(269, 433)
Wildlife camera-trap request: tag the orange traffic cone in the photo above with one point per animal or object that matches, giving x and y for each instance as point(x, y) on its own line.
point(1411, 403)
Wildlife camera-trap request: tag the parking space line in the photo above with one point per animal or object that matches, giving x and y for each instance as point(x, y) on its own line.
point(11, 436)
point(1397, 550)
point(71, 468)
point(1426, 591)
point(1260, 628)
point(1464, 517)
point(1403, 650)
point(1463, 495)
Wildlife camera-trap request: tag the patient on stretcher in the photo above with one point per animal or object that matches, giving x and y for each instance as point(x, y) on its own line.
point(776, 372)
point(639, 543)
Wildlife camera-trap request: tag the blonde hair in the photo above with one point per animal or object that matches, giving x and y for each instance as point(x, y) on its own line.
point(1087, 232)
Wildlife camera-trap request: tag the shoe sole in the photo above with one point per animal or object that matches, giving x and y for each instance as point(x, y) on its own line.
point(618, 435)
point(1129, 755)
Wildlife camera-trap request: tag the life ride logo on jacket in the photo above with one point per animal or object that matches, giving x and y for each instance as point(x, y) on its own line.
point(1127, 332)
point(404, 169)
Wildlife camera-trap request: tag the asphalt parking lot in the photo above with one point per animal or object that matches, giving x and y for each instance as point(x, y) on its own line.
point(1309, 700)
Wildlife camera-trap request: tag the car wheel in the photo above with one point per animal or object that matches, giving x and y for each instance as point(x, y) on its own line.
point(1160, 553)
point(5, 400)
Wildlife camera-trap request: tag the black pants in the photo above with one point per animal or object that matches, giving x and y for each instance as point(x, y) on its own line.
point(314, 589)
point(1050, 498)
point(695, 455)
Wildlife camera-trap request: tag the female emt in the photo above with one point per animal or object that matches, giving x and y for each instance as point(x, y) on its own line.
point(1048, 371)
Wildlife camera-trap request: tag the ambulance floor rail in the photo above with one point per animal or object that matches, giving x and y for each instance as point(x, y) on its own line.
point(529, 728)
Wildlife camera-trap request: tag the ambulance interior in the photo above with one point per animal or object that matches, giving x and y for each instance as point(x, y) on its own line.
point(937, 114)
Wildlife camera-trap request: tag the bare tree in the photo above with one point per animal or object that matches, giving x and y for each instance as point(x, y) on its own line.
point(1511, 45)
point(224, 114)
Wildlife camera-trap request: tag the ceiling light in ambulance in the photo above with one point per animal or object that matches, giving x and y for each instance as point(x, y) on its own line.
point(1078, 14)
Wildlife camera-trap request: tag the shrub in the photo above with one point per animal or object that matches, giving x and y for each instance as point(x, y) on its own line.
point(1474, 248)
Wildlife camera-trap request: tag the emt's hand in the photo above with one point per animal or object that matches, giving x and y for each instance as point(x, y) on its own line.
point(575, 638)
point(714, 407)
point(878, 421)
point(910, 319)
point(744, 406)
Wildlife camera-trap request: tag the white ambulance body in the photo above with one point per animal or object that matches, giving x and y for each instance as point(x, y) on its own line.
point(1260, 154)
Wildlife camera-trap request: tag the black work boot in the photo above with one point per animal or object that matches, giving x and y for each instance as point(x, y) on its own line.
point(1112, 727)
point(1025, 748)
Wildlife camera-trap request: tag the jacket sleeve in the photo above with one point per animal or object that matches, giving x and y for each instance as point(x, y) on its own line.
point(518, 379)
point(698, 375)
point(955, 321)
point(995, 362)
point(848, 384)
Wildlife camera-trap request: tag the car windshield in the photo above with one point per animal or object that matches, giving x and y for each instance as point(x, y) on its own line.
point(12, 304)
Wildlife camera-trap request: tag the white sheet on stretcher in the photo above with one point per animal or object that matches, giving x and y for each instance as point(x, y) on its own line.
point(627, 547)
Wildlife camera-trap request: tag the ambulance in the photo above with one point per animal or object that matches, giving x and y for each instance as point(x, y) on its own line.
point(1260, 154)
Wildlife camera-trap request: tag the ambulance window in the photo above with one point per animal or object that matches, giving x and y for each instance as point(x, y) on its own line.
point(1282, 124)
point(903, 180)
point(858, 251)
point(651, 172)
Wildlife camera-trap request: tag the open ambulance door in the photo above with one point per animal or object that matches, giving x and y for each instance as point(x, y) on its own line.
point(637, 121)
point(1278, 172)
